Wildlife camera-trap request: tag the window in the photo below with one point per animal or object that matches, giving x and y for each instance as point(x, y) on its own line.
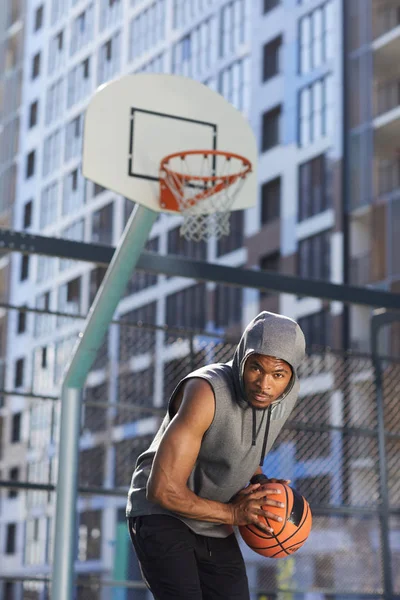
point(187, 308)
point(155, 65)
point(91, 466)
point(44, 359)
point(55, 102)
point(147, 29)
point(314, 187)
point(9, 590)
point(33, 114)
point(234, 240)
point(19, 372)
point(30, 164)
point(36, 66)
point(233, 83)
point(270, 4)
point(315, 111)
point(52, 148)
point(185, 10)
point(109, 58)
point(313, 257)
point(49, 207)
point(137, 340)
point(232, 27)
point(95, 417)
point(86, 71)
point(316, 329)
point(24, 273)
point(79, 82)
point(142, 279)
point(39, 17)
point(11, 535)
point(110, 13)
point(74, 191)
point(135, 388)
point(60, 41)
point(90, 538)
point(56, 52)
point(16, 427)
point(270, 262)
point(316, 38)
point(191, 55)
point(21, 322)
point(27, 221)
point(102, 225)
point(14, 476)
point(58, 9)
point(96, 278)
point(272, 58)
point(99, 189)
point(82, 29)
point(69, 299)
point(271, 129)
point(178, 244)
point(228, 305)
point(270, 200)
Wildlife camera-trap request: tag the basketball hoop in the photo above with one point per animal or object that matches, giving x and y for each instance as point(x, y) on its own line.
point(202, 185)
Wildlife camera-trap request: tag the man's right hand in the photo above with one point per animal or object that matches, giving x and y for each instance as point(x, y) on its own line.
point(247, 506)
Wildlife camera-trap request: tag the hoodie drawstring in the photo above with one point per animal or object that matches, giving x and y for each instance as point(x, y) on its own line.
point(253, 442)
point(265, 435)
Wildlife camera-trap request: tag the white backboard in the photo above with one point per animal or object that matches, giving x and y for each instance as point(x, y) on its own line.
point(133, 122)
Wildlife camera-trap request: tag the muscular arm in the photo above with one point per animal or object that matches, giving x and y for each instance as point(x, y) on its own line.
point(177, 455)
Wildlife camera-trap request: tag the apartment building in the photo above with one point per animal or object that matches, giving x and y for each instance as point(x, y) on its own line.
point(282, 64)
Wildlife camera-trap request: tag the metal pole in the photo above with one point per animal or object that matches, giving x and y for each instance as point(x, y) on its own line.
point(379, 319)
point(65, 526)
point(90, 339)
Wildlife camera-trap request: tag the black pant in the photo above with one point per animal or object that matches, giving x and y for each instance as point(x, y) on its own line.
point(178, 564)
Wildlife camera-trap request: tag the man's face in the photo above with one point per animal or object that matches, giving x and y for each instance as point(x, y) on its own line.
point(265, 378)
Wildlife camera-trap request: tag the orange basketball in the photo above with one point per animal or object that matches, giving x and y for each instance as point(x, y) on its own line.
point(289, 534)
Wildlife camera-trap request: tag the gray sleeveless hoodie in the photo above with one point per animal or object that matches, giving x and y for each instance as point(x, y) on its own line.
point(240, 435)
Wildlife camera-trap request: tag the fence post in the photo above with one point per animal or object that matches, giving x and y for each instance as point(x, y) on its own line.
point(378, 320)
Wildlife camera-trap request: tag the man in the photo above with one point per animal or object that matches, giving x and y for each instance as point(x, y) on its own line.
point(192, 486)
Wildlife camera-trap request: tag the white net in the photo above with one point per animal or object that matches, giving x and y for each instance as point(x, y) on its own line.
point(205, 185)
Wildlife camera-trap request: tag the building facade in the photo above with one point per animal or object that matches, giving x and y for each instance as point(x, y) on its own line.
point(12, 447)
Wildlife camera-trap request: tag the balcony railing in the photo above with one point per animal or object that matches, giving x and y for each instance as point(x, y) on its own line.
point(386, 17)
point(387, 96)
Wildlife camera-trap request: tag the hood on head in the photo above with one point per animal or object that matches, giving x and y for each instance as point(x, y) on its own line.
point(270, 334)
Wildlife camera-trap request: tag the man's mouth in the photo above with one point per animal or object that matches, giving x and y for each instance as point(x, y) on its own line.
point(261, 397)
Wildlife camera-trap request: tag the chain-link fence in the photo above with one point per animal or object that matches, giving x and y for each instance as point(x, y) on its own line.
point(331, 449)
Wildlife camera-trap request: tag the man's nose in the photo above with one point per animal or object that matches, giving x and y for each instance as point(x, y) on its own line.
point(265, 383)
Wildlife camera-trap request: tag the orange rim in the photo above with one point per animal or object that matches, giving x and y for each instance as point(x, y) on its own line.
point(228, 155)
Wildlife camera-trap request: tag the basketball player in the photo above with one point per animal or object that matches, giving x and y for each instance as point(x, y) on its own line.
point(192, 485)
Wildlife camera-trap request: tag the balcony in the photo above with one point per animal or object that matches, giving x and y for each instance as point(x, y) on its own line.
point(386, 50)
point(385, 18)
point(387, 116)
point(387, 96)
point(387, 176)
